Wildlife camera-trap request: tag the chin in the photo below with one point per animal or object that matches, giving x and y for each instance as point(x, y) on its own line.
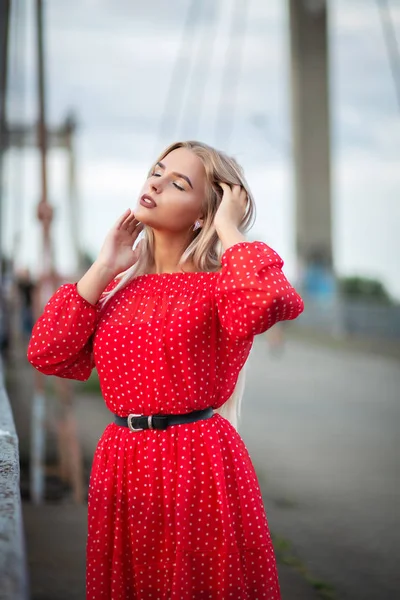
point(140, 213)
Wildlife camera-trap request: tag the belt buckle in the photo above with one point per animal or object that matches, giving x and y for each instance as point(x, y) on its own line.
point(132, 428)
point(129, 421)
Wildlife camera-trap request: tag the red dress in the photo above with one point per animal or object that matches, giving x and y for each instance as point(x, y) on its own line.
point(173, 514)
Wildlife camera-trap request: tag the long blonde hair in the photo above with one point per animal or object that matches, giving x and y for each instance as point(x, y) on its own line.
point(205, 250)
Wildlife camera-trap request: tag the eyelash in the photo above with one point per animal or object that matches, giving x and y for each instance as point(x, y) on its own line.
point(178, 187)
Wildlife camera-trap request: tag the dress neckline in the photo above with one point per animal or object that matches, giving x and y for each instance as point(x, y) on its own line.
point(175, 273)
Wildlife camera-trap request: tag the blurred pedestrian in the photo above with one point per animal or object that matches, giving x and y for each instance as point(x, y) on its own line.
point(26, 290)
point(4, 323)
point(5, 307)
point(175, 509)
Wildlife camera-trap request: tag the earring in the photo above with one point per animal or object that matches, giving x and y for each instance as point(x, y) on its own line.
point(197, 226)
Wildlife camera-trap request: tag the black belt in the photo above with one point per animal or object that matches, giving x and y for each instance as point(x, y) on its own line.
point(140, 422)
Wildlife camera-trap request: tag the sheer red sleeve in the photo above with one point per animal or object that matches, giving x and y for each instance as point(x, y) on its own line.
point(61, 341)
point(253, 293)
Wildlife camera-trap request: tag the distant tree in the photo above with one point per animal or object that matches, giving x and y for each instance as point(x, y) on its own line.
point(86, 259)
point(364, 288)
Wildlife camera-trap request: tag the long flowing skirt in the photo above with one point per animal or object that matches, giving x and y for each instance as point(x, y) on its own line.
point(177, 515)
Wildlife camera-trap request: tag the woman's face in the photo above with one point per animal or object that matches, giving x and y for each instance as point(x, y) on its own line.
point(172, 196)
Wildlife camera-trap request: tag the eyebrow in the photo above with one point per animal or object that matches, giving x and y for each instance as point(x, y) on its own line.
point(160, 164)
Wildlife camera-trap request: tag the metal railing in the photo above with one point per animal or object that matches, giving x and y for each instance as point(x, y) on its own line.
point(13, 564)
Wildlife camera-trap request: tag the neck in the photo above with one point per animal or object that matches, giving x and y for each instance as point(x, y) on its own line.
point(168, 249)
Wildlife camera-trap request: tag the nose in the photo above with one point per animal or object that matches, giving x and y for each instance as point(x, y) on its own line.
point(156, 184)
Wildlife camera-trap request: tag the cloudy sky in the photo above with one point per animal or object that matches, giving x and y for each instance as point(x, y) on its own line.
point(139, 75)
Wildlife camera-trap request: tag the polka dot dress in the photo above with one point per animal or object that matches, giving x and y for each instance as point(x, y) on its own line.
point(175, 514)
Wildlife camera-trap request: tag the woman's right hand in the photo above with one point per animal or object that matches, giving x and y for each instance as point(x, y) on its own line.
point(116, 254)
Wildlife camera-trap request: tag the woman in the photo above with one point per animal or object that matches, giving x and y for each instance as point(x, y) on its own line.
point(175, 510)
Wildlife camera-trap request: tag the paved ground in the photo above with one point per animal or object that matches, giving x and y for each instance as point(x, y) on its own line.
point(323, 430)
point(56, 550)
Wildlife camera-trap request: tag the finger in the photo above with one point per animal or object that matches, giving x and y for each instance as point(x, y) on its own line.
point(131, 216)
point(130, 224)
point(137, 230)
point(122, 218)
point(225, 187)
point(236, 189)
point(129, 221)
point(243, 196)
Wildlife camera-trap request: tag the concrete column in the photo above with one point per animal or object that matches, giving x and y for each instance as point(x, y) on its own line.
point(311, 135)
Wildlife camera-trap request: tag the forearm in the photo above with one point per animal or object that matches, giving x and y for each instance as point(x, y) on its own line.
point(229, 236)
point(94, 282)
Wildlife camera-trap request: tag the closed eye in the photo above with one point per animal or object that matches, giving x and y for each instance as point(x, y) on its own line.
point(178, 187)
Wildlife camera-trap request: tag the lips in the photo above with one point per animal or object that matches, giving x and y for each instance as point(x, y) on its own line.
point(147, 201)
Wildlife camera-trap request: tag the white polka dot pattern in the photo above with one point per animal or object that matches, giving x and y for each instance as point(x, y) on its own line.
point(61, 339)
point(253, 293)
point(173, 514)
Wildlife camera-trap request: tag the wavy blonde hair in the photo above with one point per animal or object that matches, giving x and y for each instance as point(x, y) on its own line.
point(205, 250)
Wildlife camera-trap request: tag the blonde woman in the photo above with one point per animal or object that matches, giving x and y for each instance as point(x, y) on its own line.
point(175, 509)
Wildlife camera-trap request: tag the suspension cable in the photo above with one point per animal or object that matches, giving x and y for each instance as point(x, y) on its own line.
point(173, 101)
point(231, 73)
point(392, 45)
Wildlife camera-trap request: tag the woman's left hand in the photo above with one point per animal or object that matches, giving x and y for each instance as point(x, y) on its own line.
point(232, 208)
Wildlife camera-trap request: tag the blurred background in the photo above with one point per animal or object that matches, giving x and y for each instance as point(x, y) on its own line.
point(306, 95)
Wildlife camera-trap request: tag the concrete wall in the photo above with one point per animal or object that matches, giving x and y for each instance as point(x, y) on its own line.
point(13, 567)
